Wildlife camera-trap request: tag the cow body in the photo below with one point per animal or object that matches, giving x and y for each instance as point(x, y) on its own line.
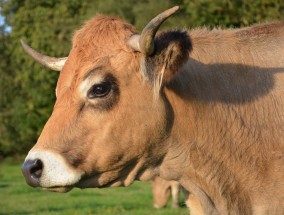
point(205, 108)
point(230, 126)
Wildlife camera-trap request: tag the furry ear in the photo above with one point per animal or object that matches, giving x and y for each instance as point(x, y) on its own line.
point(171, 53)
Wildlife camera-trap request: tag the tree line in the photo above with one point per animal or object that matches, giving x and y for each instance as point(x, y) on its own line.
point(27, 89)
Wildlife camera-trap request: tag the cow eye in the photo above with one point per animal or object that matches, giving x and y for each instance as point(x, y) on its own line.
point(99, 90)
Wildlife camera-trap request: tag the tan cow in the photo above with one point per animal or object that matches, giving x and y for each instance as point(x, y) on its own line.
point(162, 190)
point(205, 108)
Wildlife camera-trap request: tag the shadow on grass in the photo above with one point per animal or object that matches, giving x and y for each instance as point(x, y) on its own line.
point(4, 185)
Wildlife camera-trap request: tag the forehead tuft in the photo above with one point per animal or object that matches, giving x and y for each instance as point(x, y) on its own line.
point(100, 39)
point(103, 32)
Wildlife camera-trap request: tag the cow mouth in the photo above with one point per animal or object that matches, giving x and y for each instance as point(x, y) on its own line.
point(59, 189)
point(83, 184)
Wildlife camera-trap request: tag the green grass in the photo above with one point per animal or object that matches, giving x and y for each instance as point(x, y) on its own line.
point(17, 198)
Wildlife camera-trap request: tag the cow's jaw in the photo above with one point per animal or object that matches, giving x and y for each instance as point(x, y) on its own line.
point(119, 177)
point(56, 174)
point(59, 176)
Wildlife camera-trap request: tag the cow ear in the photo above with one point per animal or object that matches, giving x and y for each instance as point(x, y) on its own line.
point(171, 52)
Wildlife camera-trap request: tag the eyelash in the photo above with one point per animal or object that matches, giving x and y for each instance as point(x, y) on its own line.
point(99, 90)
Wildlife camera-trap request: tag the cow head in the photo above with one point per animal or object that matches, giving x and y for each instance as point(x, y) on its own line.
point(111, 117)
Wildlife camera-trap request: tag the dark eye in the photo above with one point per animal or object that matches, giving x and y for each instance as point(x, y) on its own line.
point(99, 90)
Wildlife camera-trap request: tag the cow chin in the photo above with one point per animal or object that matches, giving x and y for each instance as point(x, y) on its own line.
point(109, 179)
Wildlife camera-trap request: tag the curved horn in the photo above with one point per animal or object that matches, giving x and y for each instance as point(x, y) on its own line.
point(50, 62)
point(145, 42)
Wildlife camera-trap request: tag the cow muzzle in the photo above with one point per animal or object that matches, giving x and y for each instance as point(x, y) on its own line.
point(50, 170)
point(32, 170)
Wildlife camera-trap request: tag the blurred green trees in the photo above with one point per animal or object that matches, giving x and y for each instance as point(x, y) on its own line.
point(27, 94)
point(27, 89)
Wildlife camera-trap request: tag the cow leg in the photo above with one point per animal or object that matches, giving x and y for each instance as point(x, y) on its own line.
point(175, 194)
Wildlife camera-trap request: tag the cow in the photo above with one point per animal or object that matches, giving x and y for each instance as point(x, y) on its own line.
point(201, 107)
point(162, 190)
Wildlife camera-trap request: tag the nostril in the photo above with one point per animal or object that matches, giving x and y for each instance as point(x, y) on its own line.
point(32, 170)
point(36, 170)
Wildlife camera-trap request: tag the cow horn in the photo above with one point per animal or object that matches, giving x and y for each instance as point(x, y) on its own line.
point(145, 42)
point(50, 62)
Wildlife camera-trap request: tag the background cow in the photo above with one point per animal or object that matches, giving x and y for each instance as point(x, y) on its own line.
point(201, 107)
point(162, 191)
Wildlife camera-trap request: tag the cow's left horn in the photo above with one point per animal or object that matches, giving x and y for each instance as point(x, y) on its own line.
point(145, 42)
point(50, 62)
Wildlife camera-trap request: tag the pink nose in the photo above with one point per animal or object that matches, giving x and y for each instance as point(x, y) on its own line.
point(32, 170)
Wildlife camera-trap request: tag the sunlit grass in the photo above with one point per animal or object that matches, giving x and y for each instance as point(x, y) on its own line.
point(17, 198)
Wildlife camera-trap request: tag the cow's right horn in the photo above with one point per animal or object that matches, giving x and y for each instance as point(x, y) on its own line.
point(145, 42)
point(50, 62)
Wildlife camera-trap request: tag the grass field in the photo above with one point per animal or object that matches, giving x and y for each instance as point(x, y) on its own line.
point(17, 198)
